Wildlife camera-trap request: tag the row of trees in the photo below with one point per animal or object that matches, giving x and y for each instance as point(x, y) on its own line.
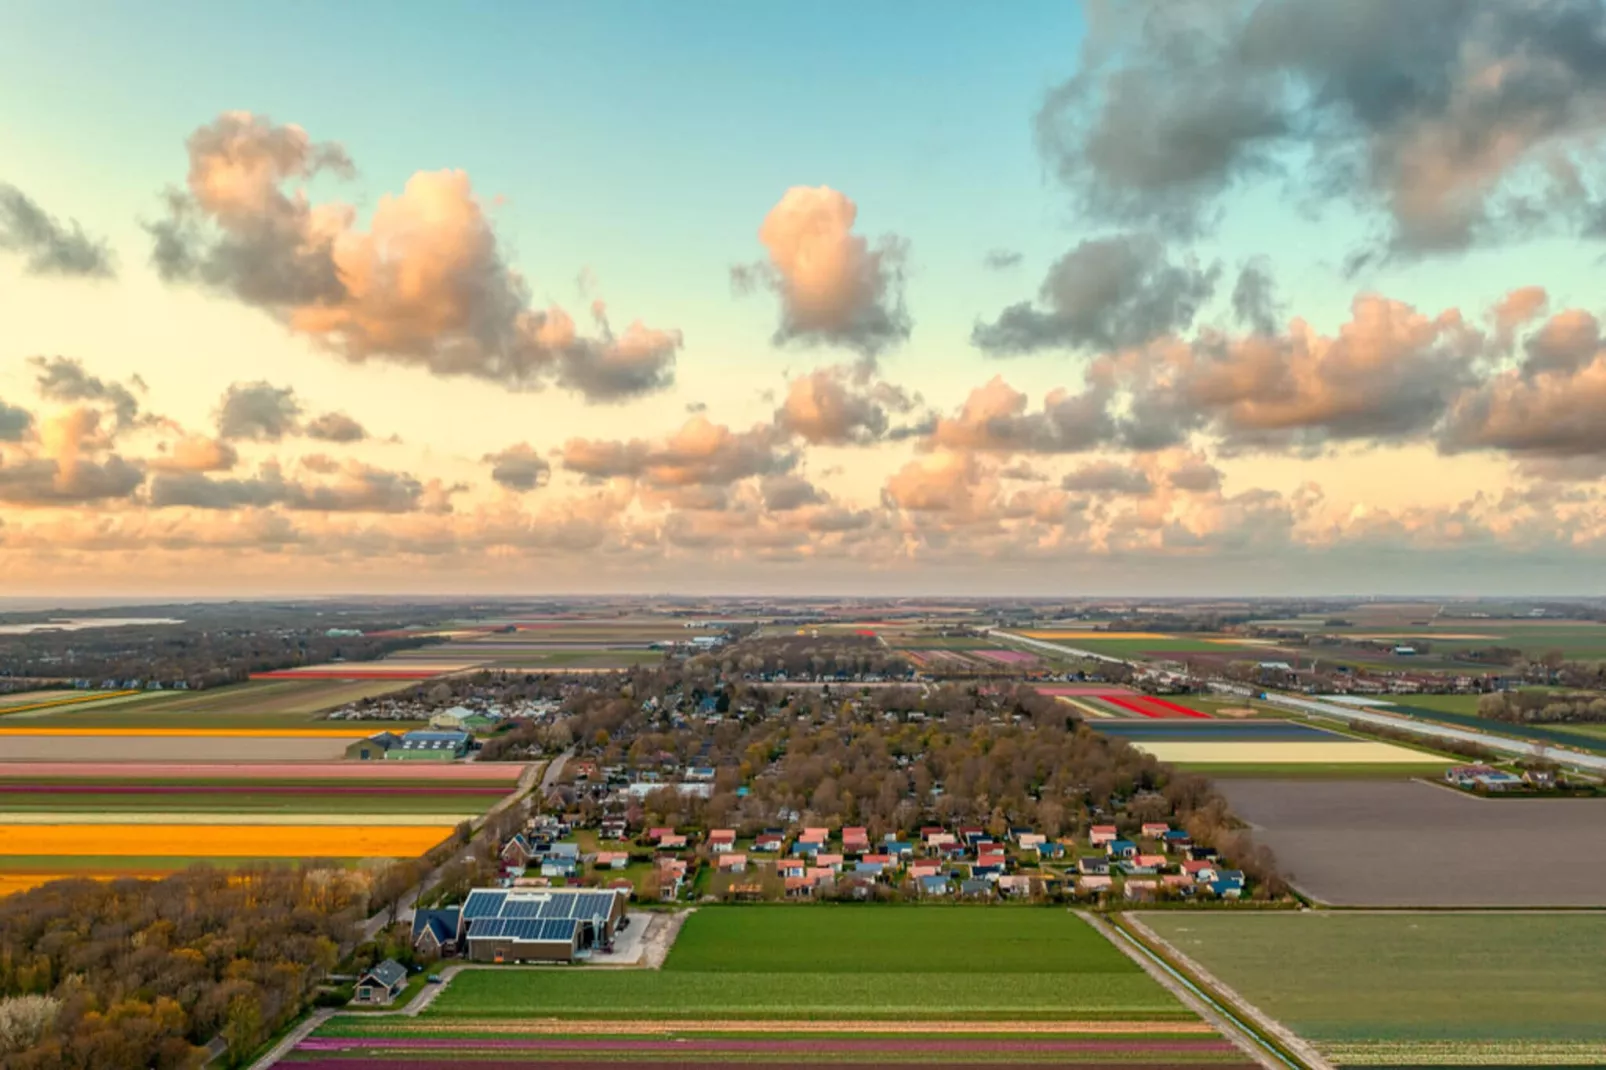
point(1543, 707)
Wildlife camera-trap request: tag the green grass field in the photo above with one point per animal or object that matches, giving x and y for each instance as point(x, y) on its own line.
point(869, 962)
point(1372, 988)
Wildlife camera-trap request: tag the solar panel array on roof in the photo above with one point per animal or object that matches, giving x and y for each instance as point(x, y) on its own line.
point(483, 903)
point(528, 930)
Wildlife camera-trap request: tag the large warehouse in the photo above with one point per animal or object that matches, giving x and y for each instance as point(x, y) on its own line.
point(544, 925)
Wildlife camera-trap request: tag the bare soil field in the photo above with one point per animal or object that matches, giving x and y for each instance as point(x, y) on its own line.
point(171, 749)
point(1414, 844)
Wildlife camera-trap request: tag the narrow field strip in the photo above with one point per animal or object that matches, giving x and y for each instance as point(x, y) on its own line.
point(633, 1027)
point(57, 819)
point(1462, 1054)
point(627, 1062)
point(88, 787)
point(908, 1045)
point(1337, 752)
point(193, 733)
point(300, 840)
point(228, 771)
point(75, 700)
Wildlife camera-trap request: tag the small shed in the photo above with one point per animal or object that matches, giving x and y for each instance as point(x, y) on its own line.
point(381, 984)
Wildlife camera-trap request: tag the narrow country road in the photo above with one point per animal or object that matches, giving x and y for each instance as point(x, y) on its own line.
point(527, 780)
point(549, 774)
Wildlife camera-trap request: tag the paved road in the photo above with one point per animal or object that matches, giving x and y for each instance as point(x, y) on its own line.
point(1502, 744)
point(409, 901)
point(301, 1032)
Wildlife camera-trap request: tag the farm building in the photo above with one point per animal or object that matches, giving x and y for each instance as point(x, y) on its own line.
point(427, 746)
point(381, 984)
point(550, 925)
point(374, 748)
point(435, 932)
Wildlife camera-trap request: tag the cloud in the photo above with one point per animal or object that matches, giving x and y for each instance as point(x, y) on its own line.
point(49, 246)
point(64, 379)
point(1389, 374)
point(700, 452)
point(995, 418)
point(425, 285)
point(45, 481)
point(1194, 475)
point(835, 287)
point(837, 406)
point(784, 493)
point(940, 483)
point(519, 467)
point(335, 427)
point(1254, 299)
point(1107, 477)
point(15, 423)
point(1002, 259)
point(1105, 293)
point(259, 412)
point(1455, 120)
point(1554, 409)
point(195, 453)
point(358, 489)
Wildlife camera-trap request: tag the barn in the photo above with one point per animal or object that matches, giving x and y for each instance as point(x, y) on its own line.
point(542, 925)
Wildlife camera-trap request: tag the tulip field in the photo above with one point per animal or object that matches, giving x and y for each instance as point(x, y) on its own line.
point(106, 819)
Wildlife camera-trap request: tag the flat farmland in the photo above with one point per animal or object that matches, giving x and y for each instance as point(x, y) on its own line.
point(843, 963)
point(1263, 748)
point(254, 704)
point(813, 987)
point(1405, 843)
point(1414, 989)
point(182, 747)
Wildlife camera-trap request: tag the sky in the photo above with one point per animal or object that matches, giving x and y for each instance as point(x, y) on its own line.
point(1167, 298)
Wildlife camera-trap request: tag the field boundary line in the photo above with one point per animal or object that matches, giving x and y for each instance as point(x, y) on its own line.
point(1300, 1048)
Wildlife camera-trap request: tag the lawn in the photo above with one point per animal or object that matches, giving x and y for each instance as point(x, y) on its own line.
point(1408, 988)
point(866, 962)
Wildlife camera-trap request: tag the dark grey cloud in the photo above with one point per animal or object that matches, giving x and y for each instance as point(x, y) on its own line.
point(841, 406)
point(45, 481)
point(1254, 299)
point(1457, 120)
point(259, 412)
point(1107, 477)
point(1105, 293)
point(1195, 475)
point(784, 493)
point(15, 423)
point(1002, 259)
point(64, 379)
point(359, 489)
point(49, 246)
point(519, 467)
point(335, 427)
point(700, 453)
